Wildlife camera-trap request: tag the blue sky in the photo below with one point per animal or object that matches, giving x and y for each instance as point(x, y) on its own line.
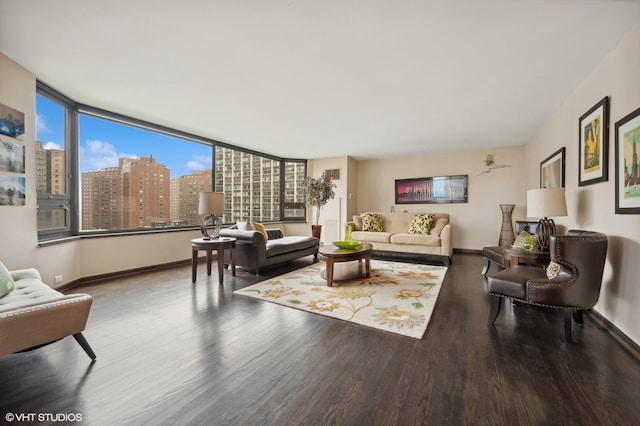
point(103, 142)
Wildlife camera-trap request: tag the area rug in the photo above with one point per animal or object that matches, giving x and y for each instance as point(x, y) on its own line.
point(398, 297)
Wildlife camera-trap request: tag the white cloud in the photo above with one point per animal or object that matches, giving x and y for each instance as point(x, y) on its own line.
point(51, 145)
point(41, 126)
point(96, 155)
point(199, 162)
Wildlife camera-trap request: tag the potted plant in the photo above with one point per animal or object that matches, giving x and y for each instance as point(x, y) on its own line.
point(317, 193)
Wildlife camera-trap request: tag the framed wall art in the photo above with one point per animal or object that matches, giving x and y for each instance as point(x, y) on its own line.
point(12, 190)
point(593, 133)
point(11, 157)
point(11, 122)
point(552, 170)
point(432, 190)
point(627, 164)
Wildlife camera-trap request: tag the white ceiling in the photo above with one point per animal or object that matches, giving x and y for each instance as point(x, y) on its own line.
point(322, 78)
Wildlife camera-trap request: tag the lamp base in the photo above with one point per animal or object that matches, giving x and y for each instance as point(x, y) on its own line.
point(546, 228)
point(217, 226)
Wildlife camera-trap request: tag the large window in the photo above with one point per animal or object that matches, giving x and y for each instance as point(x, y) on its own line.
point(54, 124)
point(99, 171)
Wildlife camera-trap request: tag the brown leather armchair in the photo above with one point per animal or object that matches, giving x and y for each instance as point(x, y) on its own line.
point(581, 257)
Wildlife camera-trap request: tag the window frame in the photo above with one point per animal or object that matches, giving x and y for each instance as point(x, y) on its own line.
point(72, 200)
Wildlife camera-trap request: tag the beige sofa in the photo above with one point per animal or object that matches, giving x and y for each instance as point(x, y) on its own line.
point(395, 241)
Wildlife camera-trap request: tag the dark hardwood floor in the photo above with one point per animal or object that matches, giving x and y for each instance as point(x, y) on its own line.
point(170, 352)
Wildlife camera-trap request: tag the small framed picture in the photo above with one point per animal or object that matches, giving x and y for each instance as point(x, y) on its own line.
point(552, 170)
point(593, 133)
point(628, 164)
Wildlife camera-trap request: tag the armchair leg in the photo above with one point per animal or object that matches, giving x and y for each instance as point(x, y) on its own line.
point(496, 302)
point(85, 345)
point(485, 266)
point(565, 329)
point(577, 316)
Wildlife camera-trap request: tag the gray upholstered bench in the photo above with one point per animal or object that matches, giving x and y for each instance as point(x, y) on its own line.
point(34, 315)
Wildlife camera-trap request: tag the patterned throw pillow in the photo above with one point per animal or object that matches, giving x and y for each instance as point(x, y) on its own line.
point(261, 229)
point(371, 222)
point(6, 282)
point(553, 270)
point(521, 238)
point(421, 223)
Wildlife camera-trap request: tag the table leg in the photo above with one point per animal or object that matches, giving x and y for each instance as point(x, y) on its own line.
point(510, 261)
point(209, 256)
point(233, 260)
point(367, 262)
point(330, 272)
point(220, 262)
point(194, 264)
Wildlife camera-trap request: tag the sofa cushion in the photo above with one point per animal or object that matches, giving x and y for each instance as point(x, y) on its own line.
point(437, 226)
point(371, 237)
point(357, 223)
point(372, 222)
point(244, 226)
point(421, 223)
point(416, 239)
point(6, 282)
point(288, 244)
point(261, 229)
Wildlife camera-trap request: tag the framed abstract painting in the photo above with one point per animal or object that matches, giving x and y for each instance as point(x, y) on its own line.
point(593, 131)
point(628, 164)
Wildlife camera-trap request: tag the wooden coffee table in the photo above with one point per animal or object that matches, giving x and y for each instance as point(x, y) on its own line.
point(332, 254)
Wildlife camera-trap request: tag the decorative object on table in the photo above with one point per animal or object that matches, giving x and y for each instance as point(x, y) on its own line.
point(528, 244)
point(552, 170)
point(348, 244)
point(491, 165)
point(348, 229)
point(11, 122)
point(593, 144)
point(507, 237)
point(211, 204)
point(628, 164)
point(545, 203)
point(397, 297)
point(317, 193)
point(431, 190)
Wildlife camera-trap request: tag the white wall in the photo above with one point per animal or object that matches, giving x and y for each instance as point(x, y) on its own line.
point(592, 207)
point(475, 223)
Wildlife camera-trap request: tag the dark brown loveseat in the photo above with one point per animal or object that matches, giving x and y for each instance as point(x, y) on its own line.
point(254, 252)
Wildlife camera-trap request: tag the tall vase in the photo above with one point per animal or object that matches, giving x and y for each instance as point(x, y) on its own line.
point(316, 230)
point(507, 236)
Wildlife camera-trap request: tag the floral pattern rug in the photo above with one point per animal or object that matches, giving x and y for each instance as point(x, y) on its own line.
point(398, 297)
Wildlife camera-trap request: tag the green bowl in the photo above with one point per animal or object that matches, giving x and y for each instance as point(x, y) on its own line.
point(347, 244)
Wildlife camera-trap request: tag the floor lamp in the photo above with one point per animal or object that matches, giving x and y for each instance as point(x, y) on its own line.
point(545, 203)
point(211, 204)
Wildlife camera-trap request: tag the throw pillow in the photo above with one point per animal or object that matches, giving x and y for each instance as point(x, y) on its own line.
point(357, 223)
point(371, 222)
point(521, 238)
point(421, 223)
point(6, 282)
point(244, 226)
point(553, 270)
point(261, 229)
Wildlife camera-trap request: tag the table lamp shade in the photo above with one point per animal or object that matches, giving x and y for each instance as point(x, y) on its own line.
point(546, 202)
point(211, 203)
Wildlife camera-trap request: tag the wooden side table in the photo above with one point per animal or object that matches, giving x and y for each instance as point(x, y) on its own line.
point(220, 245)
point(514, 256)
